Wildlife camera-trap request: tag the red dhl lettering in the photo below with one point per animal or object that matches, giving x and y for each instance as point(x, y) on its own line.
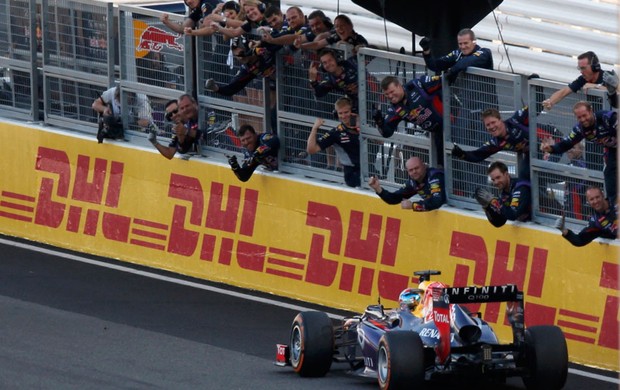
point(83, 201)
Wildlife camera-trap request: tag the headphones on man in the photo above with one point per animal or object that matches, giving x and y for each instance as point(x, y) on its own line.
point(595, 64)
point(337, 54)
point(261, 7)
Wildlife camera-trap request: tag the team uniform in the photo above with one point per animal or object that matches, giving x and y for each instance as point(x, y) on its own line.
point(515, 205)
point(516, 140)
point(421, 106)
point(580, 81)
point(431, 190)
point(205, 8)
point(261, 64)
point(346, 82)
point(604, 132)
point(265, 154)
point(455, 62)
point(354, 40)
point(346, 142)
point(189, 142)
point(600, 225)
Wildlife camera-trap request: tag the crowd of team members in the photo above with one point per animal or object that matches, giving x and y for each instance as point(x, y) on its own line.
point(258, 30)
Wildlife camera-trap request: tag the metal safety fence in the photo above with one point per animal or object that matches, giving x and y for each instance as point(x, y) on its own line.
point(20, 59)
point(84, 47)
point(79, 39)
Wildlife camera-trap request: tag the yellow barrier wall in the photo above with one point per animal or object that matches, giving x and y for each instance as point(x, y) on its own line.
point(320, 244)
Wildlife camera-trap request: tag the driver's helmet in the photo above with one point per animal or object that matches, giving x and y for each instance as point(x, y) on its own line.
point(424, 285)
point(410, 297)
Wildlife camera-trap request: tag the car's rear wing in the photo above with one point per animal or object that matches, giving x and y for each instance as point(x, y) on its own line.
point(444, 297)
point(475, 294)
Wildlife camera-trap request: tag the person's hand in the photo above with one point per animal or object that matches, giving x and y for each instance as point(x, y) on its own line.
point(318, 122)
point(377, 116)
point(560, 223)
point(406, 204)
point(163, 18)
point(373, 183)
point(483, 196)
point(458, 152)
point(547, 104)
point(187, 31)
point(425, 44)
point(610, 80)
point(451, 76)
point(232, 161)
point(545, 145)
point(152, 137)
point(313, 71)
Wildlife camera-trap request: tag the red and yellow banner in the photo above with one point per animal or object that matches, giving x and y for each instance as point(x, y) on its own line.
point(327, 245)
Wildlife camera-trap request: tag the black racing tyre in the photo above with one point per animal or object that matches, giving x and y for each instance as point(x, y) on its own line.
point(400, 361)
point(312, 344)
point(546, 358)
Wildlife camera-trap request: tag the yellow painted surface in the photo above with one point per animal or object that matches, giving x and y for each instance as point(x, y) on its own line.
point(325, 245)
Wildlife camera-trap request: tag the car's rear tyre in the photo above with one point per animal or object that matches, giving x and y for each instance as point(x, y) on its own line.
point(400, 361)
point(546, 357)
point(312, 344)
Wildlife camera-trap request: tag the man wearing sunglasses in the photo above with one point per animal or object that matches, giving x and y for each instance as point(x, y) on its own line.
point(184, 114)
point(591, 76)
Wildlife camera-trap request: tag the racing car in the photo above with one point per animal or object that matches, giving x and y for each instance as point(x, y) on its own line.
point(437, 339)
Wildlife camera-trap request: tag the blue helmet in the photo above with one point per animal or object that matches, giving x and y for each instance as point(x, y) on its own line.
point(410, 297)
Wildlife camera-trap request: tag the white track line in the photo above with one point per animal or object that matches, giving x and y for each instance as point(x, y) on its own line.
point(220, 291)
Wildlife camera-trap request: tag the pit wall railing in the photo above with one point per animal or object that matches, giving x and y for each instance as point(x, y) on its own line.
point(87, 47)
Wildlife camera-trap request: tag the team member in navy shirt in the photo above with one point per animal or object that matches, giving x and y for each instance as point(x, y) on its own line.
point(591, 76)
point(426, 182)
point(468, 54)
point(340, 76)
point(260, 149)
point(511, 134)
point(198, 11)
point(417, 102)
point(345, 138)
point(600, 127)
point(514, 202)
point(603, 223)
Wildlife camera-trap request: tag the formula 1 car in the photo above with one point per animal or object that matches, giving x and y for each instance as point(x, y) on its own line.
point(442, 340)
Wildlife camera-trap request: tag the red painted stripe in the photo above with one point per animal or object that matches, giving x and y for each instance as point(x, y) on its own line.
point(145, 233)
point(285, 252)
point(14, 195)
point(283, 274)
point(579, 338)
point(609, 275)
point(16, 206)
point(147, 244)
point(569, 313)
point(285, 263)
point(573, 325)
point(15, 216)
point(144, 222)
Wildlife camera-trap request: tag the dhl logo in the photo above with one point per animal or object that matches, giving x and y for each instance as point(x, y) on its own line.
point(354, 252)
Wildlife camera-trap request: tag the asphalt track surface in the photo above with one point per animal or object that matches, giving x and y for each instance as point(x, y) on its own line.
point(71, 321)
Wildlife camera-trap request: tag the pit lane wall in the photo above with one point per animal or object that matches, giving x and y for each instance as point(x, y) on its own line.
point(276, 233)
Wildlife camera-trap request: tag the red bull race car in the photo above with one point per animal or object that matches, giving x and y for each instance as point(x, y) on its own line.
point(430, 336)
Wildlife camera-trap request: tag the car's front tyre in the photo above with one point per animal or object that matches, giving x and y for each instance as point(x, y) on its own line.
point(312, 344)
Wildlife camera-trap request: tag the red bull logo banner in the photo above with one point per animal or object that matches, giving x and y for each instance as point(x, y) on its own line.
point(150, 38)
point(327, 245)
